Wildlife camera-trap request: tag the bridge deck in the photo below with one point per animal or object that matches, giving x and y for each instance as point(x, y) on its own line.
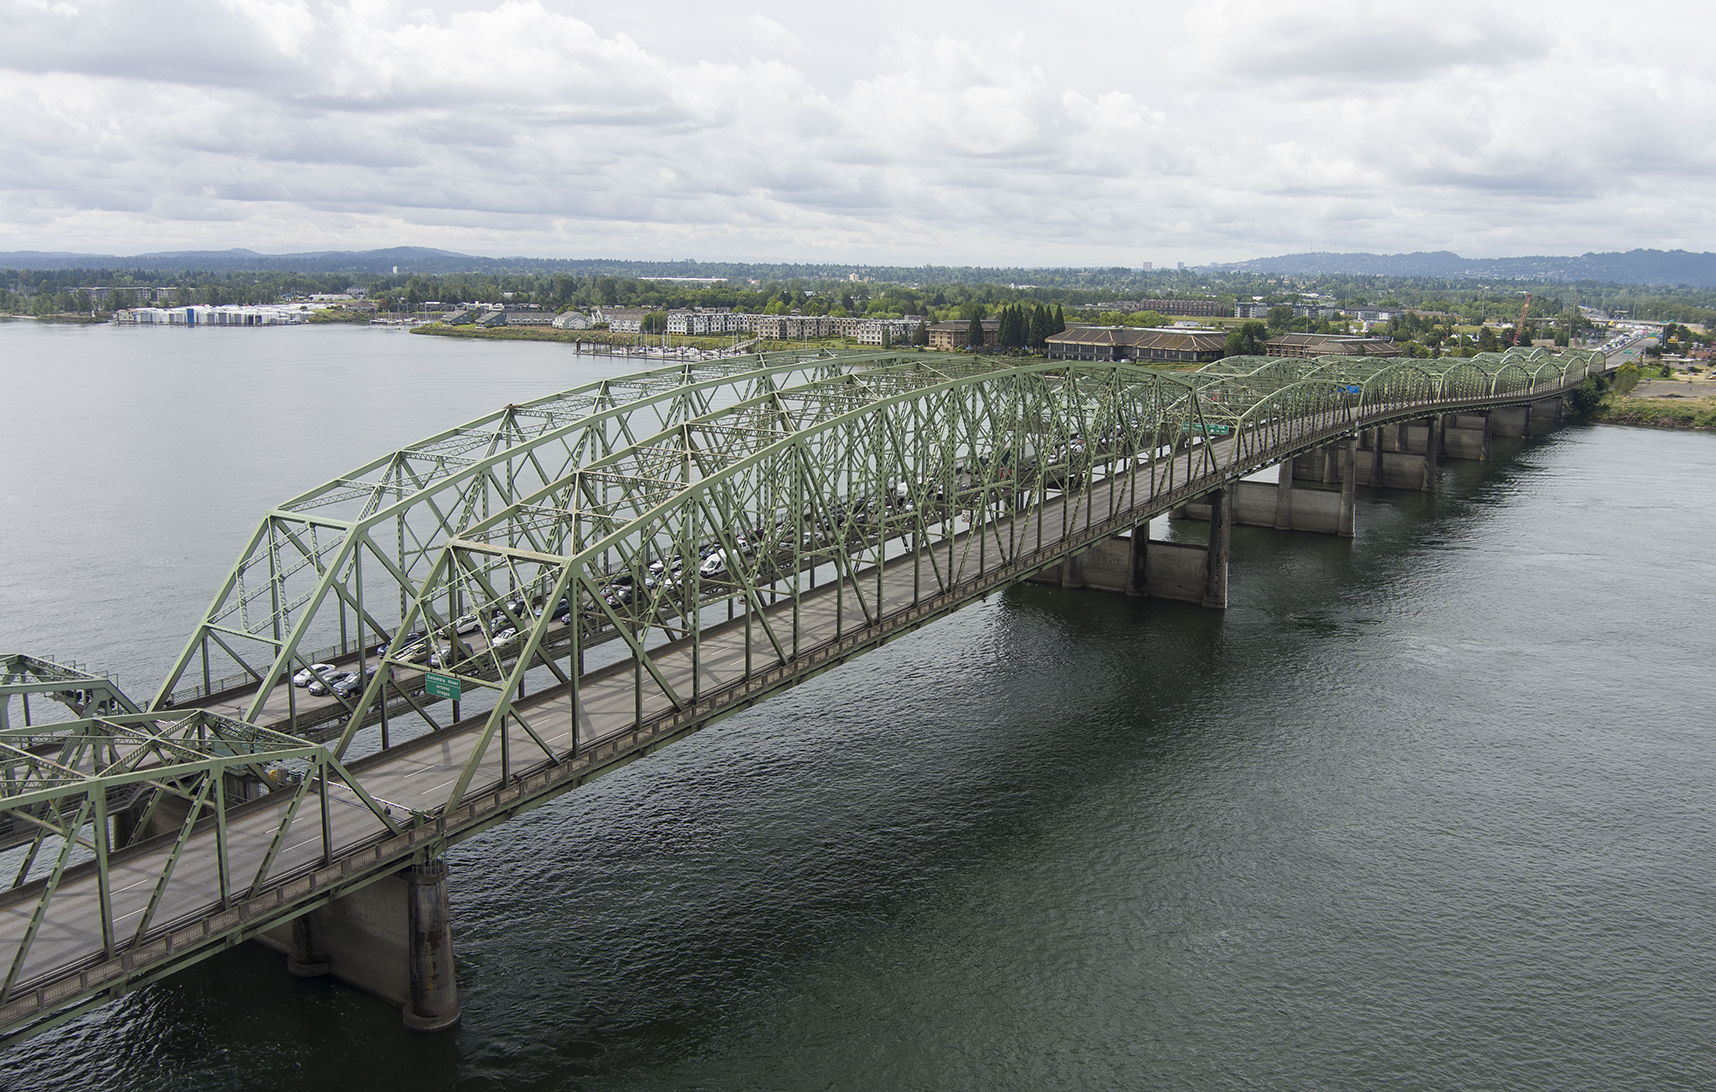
point(618, 707)
point(418, 775)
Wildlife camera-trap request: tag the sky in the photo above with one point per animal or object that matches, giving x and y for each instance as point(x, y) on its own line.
point(1075, 133)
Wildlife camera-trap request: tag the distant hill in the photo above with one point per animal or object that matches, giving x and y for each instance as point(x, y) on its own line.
point(412, 259)
point(409, 259)
point(1677, 267)
point(1631, 267)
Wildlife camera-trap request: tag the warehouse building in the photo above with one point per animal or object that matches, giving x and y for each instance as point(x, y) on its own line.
point(1142, 346)
point(1309, 345)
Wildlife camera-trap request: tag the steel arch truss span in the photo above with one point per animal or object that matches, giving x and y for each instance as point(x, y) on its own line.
point(744, 544)
point(708, 535)
point(330, 572)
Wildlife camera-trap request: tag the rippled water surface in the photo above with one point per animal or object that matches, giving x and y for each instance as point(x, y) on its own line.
point(1429, 808)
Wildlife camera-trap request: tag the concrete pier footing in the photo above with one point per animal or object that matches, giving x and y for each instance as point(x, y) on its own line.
point(1290, 504)
point(1136, 565)
point(1218, 548)
point(392, 938)
point(434, 989)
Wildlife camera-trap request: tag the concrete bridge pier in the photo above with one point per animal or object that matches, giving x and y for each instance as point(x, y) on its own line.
point(434, 1003)
point(1285, 504)
point(1136, 565)
point(1403, 456)
point(1217, 549)
point(1432, 452)
point(1466, 436)
point(1511, 421)
point(392, 938)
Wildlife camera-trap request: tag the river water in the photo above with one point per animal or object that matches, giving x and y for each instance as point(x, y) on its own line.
point(1429, 808)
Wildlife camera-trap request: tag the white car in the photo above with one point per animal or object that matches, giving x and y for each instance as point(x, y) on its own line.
point(308, 675)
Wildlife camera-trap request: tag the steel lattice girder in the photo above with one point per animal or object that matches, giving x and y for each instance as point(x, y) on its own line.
point(275, 602)
point(315, 546)
point(80, 690)
point(837, 472)
point(810, 457)
point(61, 786)
point(77, 789)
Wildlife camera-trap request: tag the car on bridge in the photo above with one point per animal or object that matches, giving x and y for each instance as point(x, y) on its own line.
point(330, 683)
point(352, 683)
point(308, 675)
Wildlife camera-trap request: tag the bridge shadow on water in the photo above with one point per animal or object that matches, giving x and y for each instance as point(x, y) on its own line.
point(913, 806)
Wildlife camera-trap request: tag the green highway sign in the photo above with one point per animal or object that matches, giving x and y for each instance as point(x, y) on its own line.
point(441, 686)
point(1207, 430)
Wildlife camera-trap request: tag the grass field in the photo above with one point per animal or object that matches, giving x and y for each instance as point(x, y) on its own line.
point(1698, 413)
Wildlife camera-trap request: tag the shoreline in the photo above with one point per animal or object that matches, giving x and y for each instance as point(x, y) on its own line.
point(1697, 414)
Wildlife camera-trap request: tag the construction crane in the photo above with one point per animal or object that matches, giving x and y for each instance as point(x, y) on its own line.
point(1519, 327)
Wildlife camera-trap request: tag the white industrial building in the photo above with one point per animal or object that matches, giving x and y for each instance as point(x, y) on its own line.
point(205, 315)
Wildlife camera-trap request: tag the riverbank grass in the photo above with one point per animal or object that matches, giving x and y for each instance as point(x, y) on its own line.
point(1677, 413)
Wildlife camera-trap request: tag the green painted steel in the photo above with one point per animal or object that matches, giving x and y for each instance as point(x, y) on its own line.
point(331, 571)
point(78, 689)
point(759, 521)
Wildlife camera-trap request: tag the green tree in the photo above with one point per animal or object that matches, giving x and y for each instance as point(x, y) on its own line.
point(1487, 342)
point(1588, 395)
point(974, 333)
point(655, 322)
point(1011, 335)
point(1280, 318)
point(1039, 331)
point(1246, 339)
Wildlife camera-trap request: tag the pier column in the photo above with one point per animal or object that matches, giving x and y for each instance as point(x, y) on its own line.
point(1283, 498)
point(1070, 575)
point(1349, 486)
point(307, 959)
point(1376, 476)
point(1432, 448)
point(1221, 534)
point(1138, 582)
point(434, 991)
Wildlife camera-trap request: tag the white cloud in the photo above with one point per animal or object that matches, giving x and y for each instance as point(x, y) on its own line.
point(1103, 134)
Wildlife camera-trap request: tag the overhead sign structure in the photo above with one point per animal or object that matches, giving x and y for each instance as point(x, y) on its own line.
point(441, 686)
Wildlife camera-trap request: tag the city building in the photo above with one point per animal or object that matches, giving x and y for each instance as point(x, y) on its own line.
point(1191, 308)
point(957, 334)
point(204, 315)
point(1309, 345)
point(898, 331)
point(1144, 346)
point(571, 320)
point(622, 320)
point(706, 322)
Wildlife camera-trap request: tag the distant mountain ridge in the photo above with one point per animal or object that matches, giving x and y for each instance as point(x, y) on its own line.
point(1629, 267)
point(414, 259)
point(1669, 267)
point(409, 259)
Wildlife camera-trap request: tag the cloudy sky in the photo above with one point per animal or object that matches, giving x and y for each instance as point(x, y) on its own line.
point(1075, 133)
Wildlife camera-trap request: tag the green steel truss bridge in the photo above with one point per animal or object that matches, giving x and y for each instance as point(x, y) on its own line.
point(556, 589)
